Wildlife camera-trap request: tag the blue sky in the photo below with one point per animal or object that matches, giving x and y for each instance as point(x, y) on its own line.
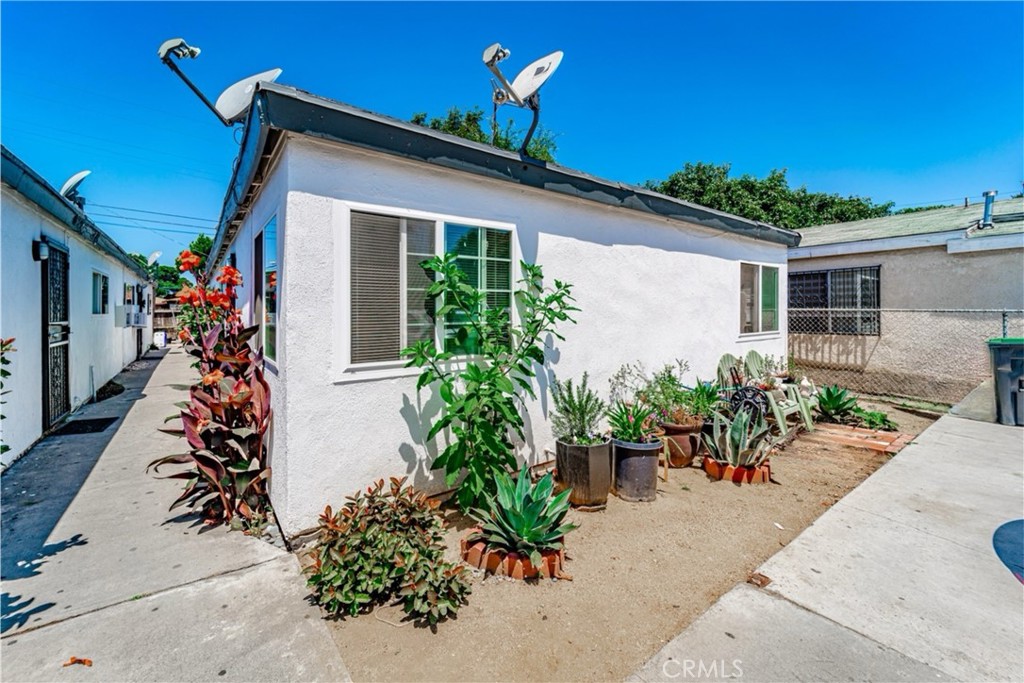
point(909, 102)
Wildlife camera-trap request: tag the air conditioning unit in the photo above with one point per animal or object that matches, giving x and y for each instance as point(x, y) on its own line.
point(122, 316)
point(139, 318)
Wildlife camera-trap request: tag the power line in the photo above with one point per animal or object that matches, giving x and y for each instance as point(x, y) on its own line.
point(197, 231)
point(155, 213)
point(151, 220)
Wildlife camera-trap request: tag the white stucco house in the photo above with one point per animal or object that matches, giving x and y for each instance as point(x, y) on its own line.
point(75, 302)
point(330, 210)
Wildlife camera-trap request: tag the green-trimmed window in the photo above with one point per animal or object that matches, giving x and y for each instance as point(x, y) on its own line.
point(485, 256)
point(759, 298)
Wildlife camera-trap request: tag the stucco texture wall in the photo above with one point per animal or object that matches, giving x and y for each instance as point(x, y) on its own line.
point(650, 290)
point(937, 350)
point(95, 341)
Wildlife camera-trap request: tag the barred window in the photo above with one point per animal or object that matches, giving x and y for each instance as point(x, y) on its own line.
point(842, 301)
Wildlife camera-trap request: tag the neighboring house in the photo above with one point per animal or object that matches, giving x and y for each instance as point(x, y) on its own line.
point(75, 302)
point(329, 212)
point(165, 318)
point(902, 305)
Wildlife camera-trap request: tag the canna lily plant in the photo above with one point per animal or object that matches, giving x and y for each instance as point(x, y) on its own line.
point(226, 418)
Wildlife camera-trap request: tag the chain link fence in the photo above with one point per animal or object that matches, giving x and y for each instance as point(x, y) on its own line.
point(932, 355)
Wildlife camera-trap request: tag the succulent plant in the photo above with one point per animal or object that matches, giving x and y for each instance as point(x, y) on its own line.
point(631, 422)
point(742, 441)
point(835, 403)
point(524, 518)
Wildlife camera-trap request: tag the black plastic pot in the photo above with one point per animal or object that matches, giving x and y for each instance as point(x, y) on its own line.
point(636, 470)
point(587, 470)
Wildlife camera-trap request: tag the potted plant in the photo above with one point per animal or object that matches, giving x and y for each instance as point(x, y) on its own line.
point(635, 451)
point(522, 534)
point(667, 397)
point(703, 400)
point(583, 458)
point(738, 449)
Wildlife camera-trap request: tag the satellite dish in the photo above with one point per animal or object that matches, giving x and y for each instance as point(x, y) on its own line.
point(69, 190)
point(494, 54)
point(535, 74)
point(234, 102)
point(153, 257)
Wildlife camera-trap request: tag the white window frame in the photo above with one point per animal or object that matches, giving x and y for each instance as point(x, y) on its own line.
point(272, 217)
point(344, 370)
point(769, 334)
point(104, 304)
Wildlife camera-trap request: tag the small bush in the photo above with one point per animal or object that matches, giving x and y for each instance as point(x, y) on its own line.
point(835, 404)
point(385, 543)
point(578, 412)
point(874, 419)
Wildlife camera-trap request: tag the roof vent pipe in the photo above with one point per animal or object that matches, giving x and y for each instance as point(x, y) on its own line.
point(986, 219)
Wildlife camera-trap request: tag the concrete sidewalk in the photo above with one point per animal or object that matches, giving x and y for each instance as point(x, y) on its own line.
point(897, 581)
point(94, 566)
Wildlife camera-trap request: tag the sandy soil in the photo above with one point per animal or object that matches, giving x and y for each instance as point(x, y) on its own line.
point(642, 573)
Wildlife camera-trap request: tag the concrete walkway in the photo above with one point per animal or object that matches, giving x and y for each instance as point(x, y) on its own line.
point(897, 581)
point(94, 566)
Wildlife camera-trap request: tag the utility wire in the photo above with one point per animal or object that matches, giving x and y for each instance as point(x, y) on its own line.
point(150, 220)
point(155, 213)
point(197, 231)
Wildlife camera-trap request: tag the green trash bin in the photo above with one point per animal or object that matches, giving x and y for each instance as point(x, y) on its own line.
point(1008, 374)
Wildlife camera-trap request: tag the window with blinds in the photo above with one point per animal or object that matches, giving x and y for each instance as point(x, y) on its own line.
point(390, 309)
point(843, 301)
point(759, 298)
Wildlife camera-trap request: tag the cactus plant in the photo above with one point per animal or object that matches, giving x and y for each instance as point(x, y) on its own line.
point(742, 441)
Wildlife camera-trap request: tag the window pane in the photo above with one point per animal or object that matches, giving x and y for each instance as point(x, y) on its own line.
point(270, 292)
point(462, 239)
point(769, 299)
point(499, 244)
point(460, 339)
point(471, 267)
point(105, 294)
point(499, 275)
point(420, 237)
point(97, 288)
point(748, 298)
point(376, 296)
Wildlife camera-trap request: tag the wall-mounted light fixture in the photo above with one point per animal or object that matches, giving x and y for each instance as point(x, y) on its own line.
point(40, 250)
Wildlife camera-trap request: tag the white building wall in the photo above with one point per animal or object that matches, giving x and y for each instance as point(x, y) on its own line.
point(650, 289)
point(94, 341)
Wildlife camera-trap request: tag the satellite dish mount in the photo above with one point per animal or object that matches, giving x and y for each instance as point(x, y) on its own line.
point(233, 104)
point(524, 90)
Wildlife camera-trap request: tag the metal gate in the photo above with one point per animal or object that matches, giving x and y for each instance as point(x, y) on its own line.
point(56, 337)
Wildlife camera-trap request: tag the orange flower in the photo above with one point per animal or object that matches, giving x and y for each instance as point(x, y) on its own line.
point(183, 335)
point(212, 377)
point(229, 276)
point(185, 295)
point(189, 261)
point(219, 299)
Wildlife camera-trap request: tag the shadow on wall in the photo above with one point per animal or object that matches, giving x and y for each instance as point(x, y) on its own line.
point(39, 487)
point(848, 352)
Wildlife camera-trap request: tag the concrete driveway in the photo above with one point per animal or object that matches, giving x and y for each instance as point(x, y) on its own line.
point(897, 581)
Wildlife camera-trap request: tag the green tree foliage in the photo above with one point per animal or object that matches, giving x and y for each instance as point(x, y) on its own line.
point(168, 280)
point(915, 209)
point(469, 124)
point(769, 199)
point(201, 246)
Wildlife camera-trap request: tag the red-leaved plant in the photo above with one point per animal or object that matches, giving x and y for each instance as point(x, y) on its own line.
point(226, 419)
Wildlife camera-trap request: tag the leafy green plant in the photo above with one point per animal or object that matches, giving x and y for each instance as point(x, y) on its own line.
point(482, 401)
point(524, 518)
point(703, 399)
point(6, 348)
point(835, 403)
point(874, 419)
point(578, 412)
point(381, 544)
point(740, 441)
point(663, 390)
point(228, 413)
point(631, 422)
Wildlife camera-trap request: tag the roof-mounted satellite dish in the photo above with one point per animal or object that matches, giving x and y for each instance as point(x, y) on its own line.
point(524, 91)
point(69, 190)
point(153, 257)
point(234, 102)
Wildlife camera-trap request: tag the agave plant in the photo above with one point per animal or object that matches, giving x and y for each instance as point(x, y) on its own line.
point(524, 518)
point(835, 404)
point(703, 398)
point(742, 441)
point(577, 413)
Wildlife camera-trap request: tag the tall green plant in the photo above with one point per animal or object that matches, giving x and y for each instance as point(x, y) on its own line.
point(631, 422)
point(742, 441)
point(578, 411)
point(483, 400)
point(703, 399)
point(835, 404)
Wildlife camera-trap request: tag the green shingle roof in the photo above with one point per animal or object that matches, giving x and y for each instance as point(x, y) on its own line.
point(1007, 216)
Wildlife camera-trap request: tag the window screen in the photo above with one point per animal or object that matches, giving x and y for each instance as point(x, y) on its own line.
point(100, 293)
point(843, 301)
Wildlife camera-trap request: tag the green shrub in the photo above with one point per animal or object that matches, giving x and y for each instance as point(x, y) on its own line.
point(703, 400)
point(382, 544)
point(874, 419)
point(578, 412)
point(524, 518)
point(835, 404)
point(741, 441)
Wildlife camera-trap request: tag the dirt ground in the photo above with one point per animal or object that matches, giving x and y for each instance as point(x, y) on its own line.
point(642, 573)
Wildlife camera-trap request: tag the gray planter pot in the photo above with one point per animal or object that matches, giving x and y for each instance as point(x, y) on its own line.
point(636, 470)
point(587, 470)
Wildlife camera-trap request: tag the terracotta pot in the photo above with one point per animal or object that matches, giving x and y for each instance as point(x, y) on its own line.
point(501, 563)
point(587, 470)
point(685, 443)
point(761, 474)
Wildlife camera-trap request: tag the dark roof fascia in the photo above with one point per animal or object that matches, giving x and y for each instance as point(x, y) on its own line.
point(33, 187)
point(289, 109)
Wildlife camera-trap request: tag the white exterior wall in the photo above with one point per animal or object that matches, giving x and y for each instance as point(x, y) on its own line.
point(94, 341)
point(650, 289)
